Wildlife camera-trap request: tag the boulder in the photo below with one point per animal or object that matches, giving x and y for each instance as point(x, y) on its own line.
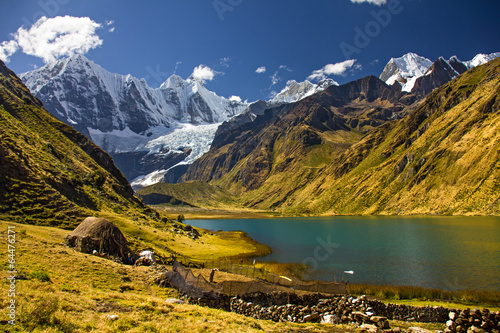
point(311, 318)
point(330, 319)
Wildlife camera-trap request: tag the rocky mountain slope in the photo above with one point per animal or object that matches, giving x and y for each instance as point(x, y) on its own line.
point(293, 92)
point(146, 130)
point(281, 149)
point(50, 173)
point(443, 158)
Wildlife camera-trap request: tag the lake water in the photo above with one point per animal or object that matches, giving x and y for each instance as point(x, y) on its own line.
point(449, 253)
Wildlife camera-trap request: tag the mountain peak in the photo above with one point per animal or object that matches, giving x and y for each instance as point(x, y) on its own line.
point(295, 91)
point(481, 59)
point(404, 68)
point(174, 81)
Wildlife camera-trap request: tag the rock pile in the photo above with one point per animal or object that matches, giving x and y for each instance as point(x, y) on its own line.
point(372, 314)
point(473, 321)
point(336, 310)
point(186, 229)
point(425, 314)
point(307, 308)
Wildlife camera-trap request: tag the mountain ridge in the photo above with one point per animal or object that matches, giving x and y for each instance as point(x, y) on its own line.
point(299, 136)
point(136, 124)
point(442, 158)
point(52, 174)
point(411, 67)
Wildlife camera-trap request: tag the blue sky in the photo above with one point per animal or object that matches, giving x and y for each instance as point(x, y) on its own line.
point(233, 38)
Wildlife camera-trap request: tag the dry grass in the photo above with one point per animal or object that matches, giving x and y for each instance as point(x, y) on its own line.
point(85, 289)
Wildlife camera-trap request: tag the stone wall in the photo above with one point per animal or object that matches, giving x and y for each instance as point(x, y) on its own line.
point(288, 307)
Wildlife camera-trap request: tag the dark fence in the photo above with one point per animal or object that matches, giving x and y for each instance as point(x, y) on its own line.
point(197, 286)
point(325, 287)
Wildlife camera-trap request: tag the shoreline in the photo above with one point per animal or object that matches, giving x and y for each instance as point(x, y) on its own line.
point(196, 213)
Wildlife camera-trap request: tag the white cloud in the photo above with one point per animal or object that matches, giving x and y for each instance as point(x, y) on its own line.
point(332, 69)
point(235, 99)
point(285, 67)
point(374, 2)
point(261, 69)
point(7, 49)
point(225, 61)
point(275, 78)
point(108, 23)
point(177, 66)
point(56, 37)
point(203, 73)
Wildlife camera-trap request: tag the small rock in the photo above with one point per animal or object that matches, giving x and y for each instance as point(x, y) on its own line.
point(311, 317)
point(451, 324)
point(376, 319)
point(474, 329)
point(452, 315)
point(112, 317)
point(174, 301)
point(330, 319)
point(368, 327)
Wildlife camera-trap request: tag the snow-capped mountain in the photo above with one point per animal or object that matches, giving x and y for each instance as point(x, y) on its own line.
point(442, 71)
point(145, 130)
point(481, 59)
point(410, 68)
point(295, 91)
point(81, 93)
point(405, 70)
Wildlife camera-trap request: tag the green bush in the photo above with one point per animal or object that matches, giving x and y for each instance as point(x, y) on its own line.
point(39, 310)
point(40, 276)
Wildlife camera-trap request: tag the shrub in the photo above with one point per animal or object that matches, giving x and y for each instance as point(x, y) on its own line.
point(40, 276)
point(39, 310)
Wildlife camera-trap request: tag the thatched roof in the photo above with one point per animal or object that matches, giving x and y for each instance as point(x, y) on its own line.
point(101, 235)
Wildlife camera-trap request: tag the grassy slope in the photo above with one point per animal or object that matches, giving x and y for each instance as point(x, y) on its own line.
point(84, 289)
point(49, 173)
point(188, 193)
point(452, 158)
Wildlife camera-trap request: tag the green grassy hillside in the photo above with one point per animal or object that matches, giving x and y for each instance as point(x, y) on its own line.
point(442, 159)
point(49, 173)
point(187, 194)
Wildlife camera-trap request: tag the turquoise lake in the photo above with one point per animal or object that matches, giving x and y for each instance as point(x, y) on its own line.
point(450, 253)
